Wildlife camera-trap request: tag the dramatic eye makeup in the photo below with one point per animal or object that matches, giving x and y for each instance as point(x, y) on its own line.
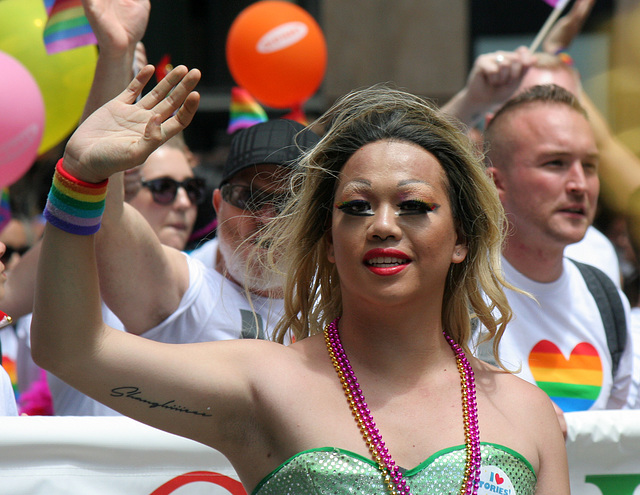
point(356, 207)
point(416, 207)
point(407, 200)
point(360, 207)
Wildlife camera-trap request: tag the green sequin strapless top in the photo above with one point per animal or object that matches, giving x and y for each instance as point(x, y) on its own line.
point(335, 471)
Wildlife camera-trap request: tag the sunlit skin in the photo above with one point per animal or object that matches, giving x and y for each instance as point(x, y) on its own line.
point(393, 236)
point(547, 178)
point(238, 229)
point(172, 223)
point(539, 76)
point(560, 77)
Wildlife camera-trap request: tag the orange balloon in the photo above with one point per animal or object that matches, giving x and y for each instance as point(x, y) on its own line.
point(277, 51)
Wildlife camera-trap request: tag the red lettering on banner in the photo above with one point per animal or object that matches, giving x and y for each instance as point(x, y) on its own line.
point(233, 486)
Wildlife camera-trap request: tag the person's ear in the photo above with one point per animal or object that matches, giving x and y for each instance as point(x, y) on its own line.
point(217, 198)
point(495, 174)
point(488, 118)
point(328, 239)
point(460, 250)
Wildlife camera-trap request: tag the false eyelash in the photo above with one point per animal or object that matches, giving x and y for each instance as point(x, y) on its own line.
point(425, 207)
point(356, 207)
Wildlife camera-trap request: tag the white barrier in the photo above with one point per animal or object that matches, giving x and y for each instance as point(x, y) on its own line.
point(104, 456)
point(604, 452)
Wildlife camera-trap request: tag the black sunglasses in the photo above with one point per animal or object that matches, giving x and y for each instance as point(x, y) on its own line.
point(9, 252)
point(165, 189)
point(252, 200)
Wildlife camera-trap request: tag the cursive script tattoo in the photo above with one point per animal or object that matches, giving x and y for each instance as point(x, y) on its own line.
point(134, 393)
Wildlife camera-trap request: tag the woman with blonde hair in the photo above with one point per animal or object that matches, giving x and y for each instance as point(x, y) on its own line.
point(390, 239)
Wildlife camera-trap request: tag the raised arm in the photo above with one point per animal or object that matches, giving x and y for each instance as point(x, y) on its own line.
point(567, 27)
point(68, 335)
point(200, 391)
point(141, 280)
point(128, 251)
point(118, 25)
point(494, 77)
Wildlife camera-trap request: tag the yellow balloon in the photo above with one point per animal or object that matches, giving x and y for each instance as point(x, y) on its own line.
point(64, 78)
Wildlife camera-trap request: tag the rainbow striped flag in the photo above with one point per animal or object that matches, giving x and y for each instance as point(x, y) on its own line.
point(67, 26)
point(5, 208)
point(244, 111)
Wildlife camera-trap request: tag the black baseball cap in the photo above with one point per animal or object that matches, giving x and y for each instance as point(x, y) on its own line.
point(278, 142)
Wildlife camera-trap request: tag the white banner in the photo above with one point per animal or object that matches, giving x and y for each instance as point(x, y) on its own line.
point(113, 455)
point(42, 455)
point(604, 452)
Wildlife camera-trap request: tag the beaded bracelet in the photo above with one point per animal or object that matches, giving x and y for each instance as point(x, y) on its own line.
point(73, 205)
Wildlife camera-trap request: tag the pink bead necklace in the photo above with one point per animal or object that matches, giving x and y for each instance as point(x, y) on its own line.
point(391, 473)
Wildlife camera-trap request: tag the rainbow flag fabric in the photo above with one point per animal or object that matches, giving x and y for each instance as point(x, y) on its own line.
point(244, 111)
point(5, 208)
point(573, 384)
point(67, 26)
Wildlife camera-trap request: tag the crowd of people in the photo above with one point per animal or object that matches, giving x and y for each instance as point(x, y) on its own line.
point(427, 258)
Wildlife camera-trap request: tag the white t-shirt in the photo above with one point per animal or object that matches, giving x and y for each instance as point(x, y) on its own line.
point(206, 252)
point(7, 398)
point(215, 308)
point(212, 308)
point(597, 250)
point(635, 335)
point(558, 342)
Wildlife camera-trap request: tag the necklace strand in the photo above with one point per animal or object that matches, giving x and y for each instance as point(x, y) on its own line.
point(391, 473)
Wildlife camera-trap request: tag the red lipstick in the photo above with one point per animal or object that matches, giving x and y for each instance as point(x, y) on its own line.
point(386, 262)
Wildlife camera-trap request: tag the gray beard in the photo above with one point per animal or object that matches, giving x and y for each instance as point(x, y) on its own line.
point(252, 275)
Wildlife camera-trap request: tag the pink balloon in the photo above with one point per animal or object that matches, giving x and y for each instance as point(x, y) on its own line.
point(21, 119)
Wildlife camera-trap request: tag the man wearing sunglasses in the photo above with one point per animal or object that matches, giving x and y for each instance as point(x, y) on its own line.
point(252, 189)
point(251, 192)
point(170, 297)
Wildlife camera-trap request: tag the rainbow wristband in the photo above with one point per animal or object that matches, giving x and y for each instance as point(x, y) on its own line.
point(73, 205)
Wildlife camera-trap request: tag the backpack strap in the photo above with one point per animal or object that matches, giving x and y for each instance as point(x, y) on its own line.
point(611, 310)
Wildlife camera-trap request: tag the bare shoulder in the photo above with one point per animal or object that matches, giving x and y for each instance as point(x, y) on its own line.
point(496, 384)
point(261, 354)
point(519, 415)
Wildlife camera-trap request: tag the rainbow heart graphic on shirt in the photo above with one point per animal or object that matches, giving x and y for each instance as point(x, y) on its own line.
point(573, 384)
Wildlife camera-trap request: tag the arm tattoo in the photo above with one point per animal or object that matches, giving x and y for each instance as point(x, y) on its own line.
point(135, 394)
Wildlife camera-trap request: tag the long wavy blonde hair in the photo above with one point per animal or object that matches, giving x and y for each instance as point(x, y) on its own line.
point(298, 249)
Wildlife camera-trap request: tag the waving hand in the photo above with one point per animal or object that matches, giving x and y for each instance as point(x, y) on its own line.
point(123, 133)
